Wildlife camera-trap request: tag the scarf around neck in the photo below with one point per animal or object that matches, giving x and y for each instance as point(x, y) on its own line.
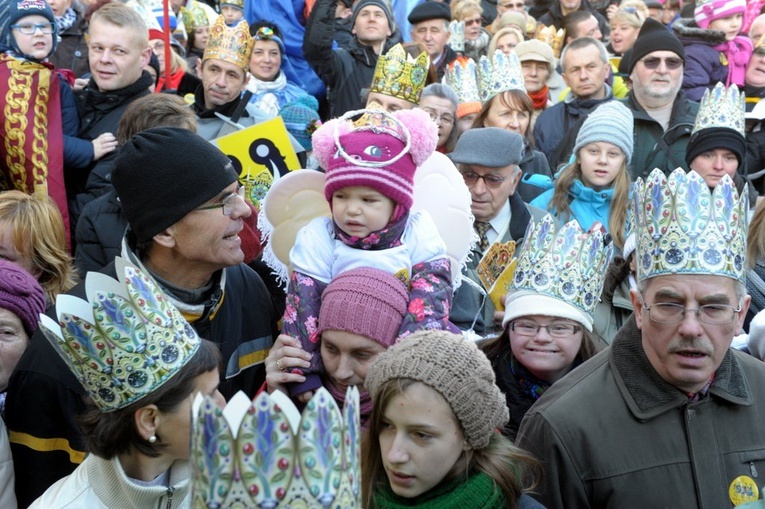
point(365, 400)
point(540, 98)
point(530, 384)
point(738, 51)
point(388, 237)
point(476, 492)
point(66, 21)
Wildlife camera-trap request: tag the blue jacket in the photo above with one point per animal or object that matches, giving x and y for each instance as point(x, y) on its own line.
point(587, 205)
point(703, 67)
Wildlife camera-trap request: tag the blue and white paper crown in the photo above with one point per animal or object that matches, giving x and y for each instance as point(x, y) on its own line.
point(463, 79)
point(684, 228)
point(721, 107)
point(265, 454)
point(498, 74)
point(568, 265)
point(125, 341)
point(457, 36)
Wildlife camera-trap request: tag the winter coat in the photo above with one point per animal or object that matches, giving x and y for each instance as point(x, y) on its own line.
point(534, 162)
point(554, 17)
point(345, 72)
point(517, 399)
point(610, 316)
point(270, 96)
point(103, 484)
point(99, 233)
point(586, 204)
point(46, 441)
point(614, 434)
point(7, 478)
point(72, 49)
point(656, 148)
point(448, 56)
point(470, 308)
point(704, 65)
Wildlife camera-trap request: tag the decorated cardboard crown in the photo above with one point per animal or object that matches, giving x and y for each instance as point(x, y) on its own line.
point(684, 228)
point(125, 341)
point(721, 107)
point(193, 16)
point(498, 74)
point(462, 77)
point(265, 454)
point(554, 38)
point(568, 265)
point(239, 4)
point(399, 75)
point(231, 44)
point(457, 36)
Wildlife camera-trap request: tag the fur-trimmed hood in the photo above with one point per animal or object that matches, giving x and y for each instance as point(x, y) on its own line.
point(689, 32)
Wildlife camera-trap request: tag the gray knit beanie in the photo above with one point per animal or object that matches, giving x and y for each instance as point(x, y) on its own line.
point(456, 369)
point(610, 122)
point(382, 4)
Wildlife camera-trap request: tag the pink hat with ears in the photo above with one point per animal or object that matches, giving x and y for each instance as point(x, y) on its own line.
point(381, 151)
point(710, 10)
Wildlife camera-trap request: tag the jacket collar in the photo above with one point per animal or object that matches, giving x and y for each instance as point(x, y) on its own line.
point(648, 395)
point(519, 218)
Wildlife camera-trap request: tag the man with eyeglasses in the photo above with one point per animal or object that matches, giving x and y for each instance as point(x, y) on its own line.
point(669, 415)
point(488, 159)
point(664, 116)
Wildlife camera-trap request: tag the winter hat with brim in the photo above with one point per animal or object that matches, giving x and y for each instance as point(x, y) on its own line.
point(21, 294)
point(164, 173)
point(18, 9)
point(654, 36)
point(457, 370)
point(709, 10)
point(611, 122)
point(382, 4)
point(525, 302)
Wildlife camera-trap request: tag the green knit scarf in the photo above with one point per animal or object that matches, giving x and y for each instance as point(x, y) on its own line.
point(477, 492)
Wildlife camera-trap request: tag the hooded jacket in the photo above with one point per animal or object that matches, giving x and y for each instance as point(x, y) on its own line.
point(704, 65)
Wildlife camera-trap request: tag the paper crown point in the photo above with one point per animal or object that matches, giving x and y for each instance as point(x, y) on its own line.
point(193, 16)
point(123, 343)
point(684, 228)
point(498, 74)
point(231, 44)
point(265, 454)
point(462, 77)
point(399, 75)
point(553, 37)
point(721, 107)
point(457, 36)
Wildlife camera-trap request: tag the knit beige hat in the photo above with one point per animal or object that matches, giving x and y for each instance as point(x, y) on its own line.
point(454, 368)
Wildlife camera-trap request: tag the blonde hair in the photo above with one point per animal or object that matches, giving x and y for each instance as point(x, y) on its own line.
point(463, 9)
point(501, 33)
point(620, 202)
point(121, 15)
point(634, 18)
point(38, 235)
point(755, 239)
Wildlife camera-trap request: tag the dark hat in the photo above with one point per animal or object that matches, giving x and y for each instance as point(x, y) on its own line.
point(21, 294)
point(382, 4)
point(164, 173)
point(488, 146)
point(711, 138)
point(18, 9)
point(624, 64)
point(430, 10)
point(654, 36)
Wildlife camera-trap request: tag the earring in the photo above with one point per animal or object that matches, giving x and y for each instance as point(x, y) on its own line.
point(152, 439)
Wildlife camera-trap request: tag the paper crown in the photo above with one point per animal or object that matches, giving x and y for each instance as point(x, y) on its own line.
point(232, 44)
point(721, 107)
point(457, 36)
point(125, 341)
point(498, 74)
point(265, 454)
point(239, 4)
point(399, 75)
point(684, 228)
point(551, 36)
point(569, 265)
point(193, 16)
point(462, 77)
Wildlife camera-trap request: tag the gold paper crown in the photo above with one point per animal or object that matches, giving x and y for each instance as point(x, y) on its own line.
point(721, 107)
point(265, 454)
point(125, 341)
point(239, 4)
point(569, 265)
point(231, 44)
point(683, 228)
point(462, 77)
point(499, 74)
point(399, 75)
point(553, 38)
point(193, 16)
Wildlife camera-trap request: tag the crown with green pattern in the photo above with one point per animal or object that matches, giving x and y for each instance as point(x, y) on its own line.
point(125, 341)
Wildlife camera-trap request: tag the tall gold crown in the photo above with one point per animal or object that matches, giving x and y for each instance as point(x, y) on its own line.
point(554, 38)
point(721, 107)
point(399, 75)
point(498, 74)
point(231, 44)
point(193, 16)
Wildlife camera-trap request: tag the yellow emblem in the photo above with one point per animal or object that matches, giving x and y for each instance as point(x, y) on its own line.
point(743, 489)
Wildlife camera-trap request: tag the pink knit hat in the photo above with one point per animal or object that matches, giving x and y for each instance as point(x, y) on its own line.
point(383, 154)
point(710, 10)
point(368, 302)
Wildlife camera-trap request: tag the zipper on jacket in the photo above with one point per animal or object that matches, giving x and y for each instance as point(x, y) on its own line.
point(170, 492)
point(752, 469)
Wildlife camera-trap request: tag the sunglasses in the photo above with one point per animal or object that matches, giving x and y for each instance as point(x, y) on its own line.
point(672, 63)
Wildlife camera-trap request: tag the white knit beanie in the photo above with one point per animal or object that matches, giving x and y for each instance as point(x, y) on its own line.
point(610, 122)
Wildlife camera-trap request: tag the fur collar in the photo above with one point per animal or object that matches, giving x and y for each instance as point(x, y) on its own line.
point(689, 32)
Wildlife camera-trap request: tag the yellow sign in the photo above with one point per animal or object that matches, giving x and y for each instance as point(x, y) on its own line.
point(261, 154)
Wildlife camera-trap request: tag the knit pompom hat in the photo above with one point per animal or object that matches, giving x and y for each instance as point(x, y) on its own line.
point(368, 150)
point(368, 302)
point(18, 9)
point(610, 122)
point(456, 369)
point(21, 294)
point(301, 119)
point(709, 10)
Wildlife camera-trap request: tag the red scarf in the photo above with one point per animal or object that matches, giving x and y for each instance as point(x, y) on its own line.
point(175, 80)
point(540, 98)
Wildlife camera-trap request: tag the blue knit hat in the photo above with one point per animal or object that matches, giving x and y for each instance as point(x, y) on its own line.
point(301, 119)
point(18, 9)
point(610, 122)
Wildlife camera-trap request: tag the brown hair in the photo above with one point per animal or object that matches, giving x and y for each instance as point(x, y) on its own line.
point(512, 469)
point(108, 434)
point(515, 99)
point(619, 201)
point(38, 235)
point(755, 239)
point(155, 110)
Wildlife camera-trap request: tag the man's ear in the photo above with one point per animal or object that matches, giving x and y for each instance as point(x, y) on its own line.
point(165, 238)
point(145, 56)
point(637, 307)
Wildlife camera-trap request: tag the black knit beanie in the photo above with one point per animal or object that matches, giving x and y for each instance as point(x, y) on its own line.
point(654, 36)
point(716, 137)
point(164, 173)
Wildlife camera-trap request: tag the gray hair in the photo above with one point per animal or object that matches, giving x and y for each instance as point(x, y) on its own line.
point(580, 43)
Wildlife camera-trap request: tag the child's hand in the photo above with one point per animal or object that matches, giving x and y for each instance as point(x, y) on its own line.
point(80, 83)
point(305, 397)
point(103, 145)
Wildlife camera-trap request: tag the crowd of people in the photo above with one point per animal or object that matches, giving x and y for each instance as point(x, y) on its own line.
point(592, 337)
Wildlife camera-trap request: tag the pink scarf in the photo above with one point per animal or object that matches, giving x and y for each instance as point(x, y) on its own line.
point(738, 51)
point(365, 400)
